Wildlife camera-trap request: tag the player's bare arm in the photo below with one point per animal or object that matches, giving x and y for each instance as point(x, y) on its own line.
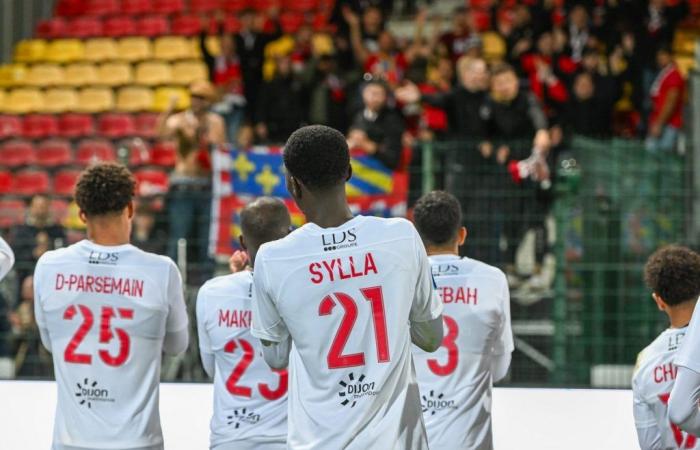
point(427, 335)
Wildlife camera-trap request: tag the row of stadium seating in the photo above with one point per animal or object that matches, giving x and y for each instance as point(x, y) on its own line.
point(14, 211)
point(75, 126)
point(91, 100)
point(112, 74)
point(57, 152)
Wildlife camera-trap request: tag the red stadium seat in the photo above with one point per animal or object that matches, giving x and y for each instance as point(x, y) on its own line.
point(64, 181)
point(168, 6)
point(55, 28)
point(54, 153)
point(16, 153)
point(31, 182)
point(320, 22)
point(38, 126)
point(95, 150)
point(103, 7)
point(153, 26)
point(139, 152)
point(164, 154)
point(11, 211)
point(291, 21)
point(146, 124)
point(119, 26)
point(264, 5)
point(234, 5)
point(151, 182)
point(232, 24)
point(60, 209)
point(76, 125)
point(203, 6)
point(185, 25)
point(300, 5)
point(114, 125)
point(135, 7)
point(70, 7)
point(5, 183)
point(10, 126)
point(85, 27)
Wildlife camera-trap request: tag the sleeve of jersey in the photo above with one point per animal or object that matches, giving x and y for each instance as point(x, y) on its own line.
point(267, 323)
point(7, 258)
point(202, 334)
point(177, 315)
point(38, 307)
point(689, 353)
point(505, 344)
point(426, 302)
point(648, 432)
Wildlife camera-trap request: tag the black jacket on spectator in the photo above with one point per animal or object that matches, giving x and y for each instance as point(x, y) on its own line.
point(281, 107)
point(386, 130)
point(463, 111)
point(23, 239)
point(517, 119)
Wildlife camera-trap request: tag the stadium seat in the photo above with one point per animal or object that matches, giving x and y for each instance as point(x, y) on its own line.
point(44, 75)
point(264, 5)
point(94, 150)
point(146, 124)
point(164, 154)
point(494, 47)
point(16, 153)
point(151, 182)
point(186, 72)
point(205, 6)
point(60, 100)
point(10, 126)
point(101, 49)
point(234, 5)
point(54, 28)
point(120, 26)
point(232, 24)
point(114, 74)
point(70, 7)
point(5, 188)
point(53, 153)
point(291, 21)
point(186, 25)
point(80, 74)
point(2, 97)
point(164, 94)
point(23, 101)
point(30, 51)
point(102, 7)
point(685, 64)
point(64, 182)
point(12, 212)
point(12, 75)
point(116, 125)
point(135, 7)
point(300, 5)
point(153, 73)
point(168, 6)
point(170, 48)
point(76, 125)
point(38, 126)
point(135, 99)
point(153, 26)
point(65, 51)
point(84, 27)
point(95, 100)
point(134, 49)
point(31, 182)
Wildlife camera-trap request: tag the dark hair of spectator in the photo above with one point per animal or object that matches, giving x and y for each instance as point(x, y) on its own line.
point(104, 189)
point(500, 69)
point(438, 217)
point(265, 219)
point(318, 156)
point(664, 47)
point(673, 273)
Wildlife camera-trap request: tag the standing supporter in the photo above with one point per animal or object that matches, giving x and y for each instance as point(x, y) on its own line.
point(326, 87)
point(224, 307)
point(579, 31)
point(30, 359)
point(666, 117)
point(462, 39)
point(519, 35)
point(364, 280)
point(106, 311)
point(457, 380)
point(589, 109)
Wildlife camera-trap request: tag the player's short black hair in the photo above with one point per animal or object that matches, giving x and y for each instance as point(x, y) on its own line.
point(105, 188)
point(673, 273)
point(438, 217)
point(318, 156)
point(265, 219)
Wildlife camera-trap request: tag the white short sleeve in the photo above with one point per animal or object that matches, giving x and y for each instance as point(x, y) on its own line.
point(38, 308)
point(7, 258)
point(688, 355)
point(426, 302)
point(504, 343)
point(177, 314)
point(202, 334)
point(267, 323)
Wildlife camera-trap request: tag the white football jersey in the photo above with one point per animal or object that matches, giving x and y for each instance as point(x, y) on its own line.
point(250, 399)
point(346, 296)
point(455, 382)
point(651, 387)
point(106, 310)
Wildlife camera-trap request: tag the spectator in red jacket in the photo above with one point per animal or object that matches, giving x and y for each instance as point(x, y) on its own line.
point(543, 67)
point(666, 117)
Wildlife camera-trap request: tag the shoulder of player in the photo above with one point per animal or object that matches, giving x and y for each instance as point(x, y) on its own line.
point(229, 284)
point(280, 247)
point(396, 227)
point(54, 256)
point(651, 353)
point(481, 269)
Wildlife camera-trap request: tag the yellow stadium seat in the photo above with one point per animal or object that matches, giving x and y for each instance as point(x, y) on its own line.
point(186, 72)
point(31, 50)
point(153, 73)
point(164, 94)
point(24, 101)
point(101, 49)
point(80, 75)
point(213, 44)
point(134, 49)
point(12, 75)
point(114, 74)
point(494, 46)
point(685, 64)
point(135, 99)
point(170, 48)
point(95, 100)
point(60, 100)
point(64, 51)
point(45, 75)
point(2, 99)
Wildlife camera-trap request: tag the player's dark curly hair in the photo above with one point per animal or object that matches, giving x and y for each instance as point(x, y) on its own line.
point(104, 189)
point(673, 273)
point(438, 217)
point(318, 156)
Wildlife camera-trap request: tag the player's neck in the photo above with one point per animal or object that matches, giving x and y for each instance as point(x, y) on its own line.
point(108, 233)
point(448, 249)
point(680, 315)
point(329, 211)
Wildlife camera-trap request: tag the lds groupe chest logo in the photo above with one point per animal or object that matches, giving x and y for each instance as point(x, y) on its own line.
point(106, 258)
point(339, 240)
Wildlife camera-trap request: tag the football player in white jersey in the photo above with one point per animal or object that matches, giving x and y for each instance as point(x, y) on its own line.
point(673, 275)
point(350, 293)
point(456, 381)
point(7, 258)
point(106, 310)
point(250, 399)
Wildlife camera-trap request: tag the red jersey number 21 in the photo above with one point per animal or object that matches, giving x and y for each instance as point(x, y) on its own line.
point(336, 358)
